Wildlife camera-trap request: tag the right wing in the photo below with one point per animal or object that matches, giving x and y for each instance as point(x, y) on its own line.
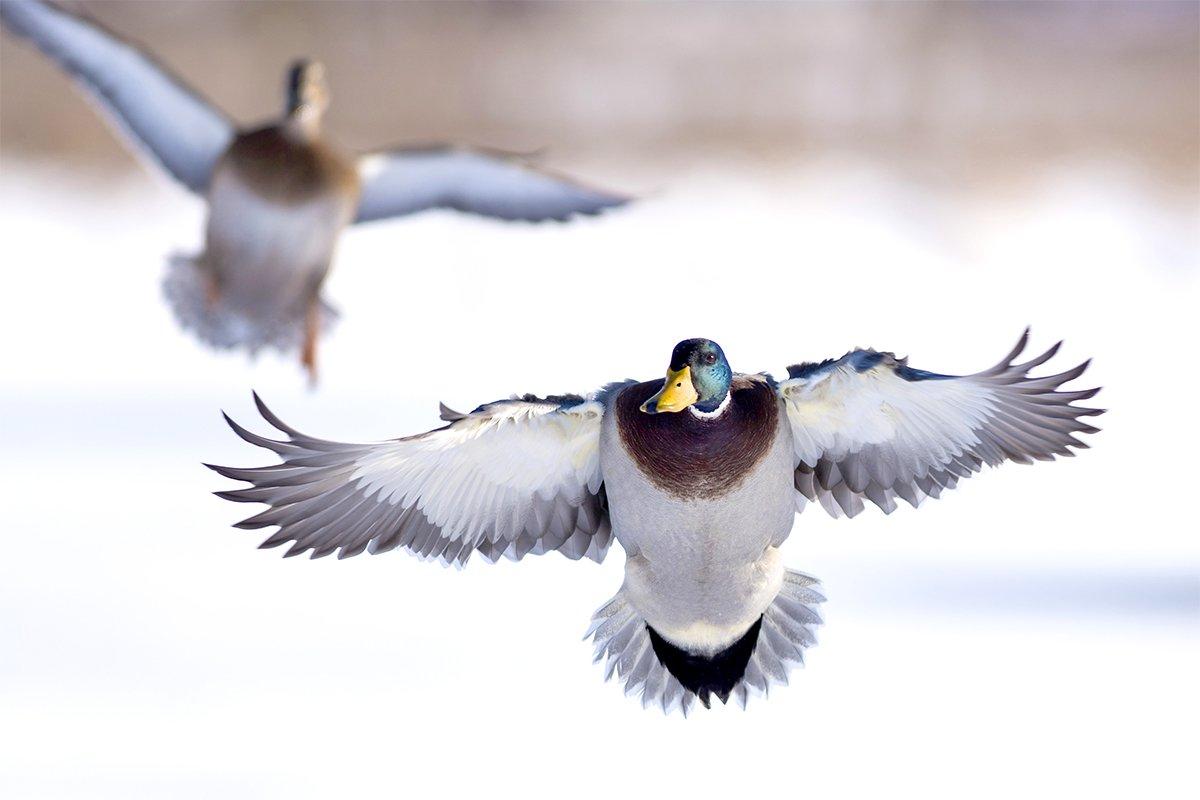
point(512, 477)
point(868, 426)
point(484, 182)
point(180, 130)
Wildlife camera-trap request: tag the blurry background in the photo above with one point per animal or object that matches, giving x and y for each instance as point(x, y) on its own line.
point(921, 177)
point(955, 94)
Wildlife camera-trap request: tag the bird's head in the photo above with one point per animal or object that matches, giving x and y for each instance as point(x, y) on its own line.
point(698, 377)
point(307, 91)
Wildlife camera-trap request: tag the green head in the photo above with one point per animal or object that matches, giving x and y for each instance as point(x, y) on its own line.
point(699, 377)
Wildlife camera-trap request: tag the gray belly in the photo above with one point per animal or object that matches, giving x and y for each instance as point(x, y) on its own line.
point(700, 570)
point(269, 257)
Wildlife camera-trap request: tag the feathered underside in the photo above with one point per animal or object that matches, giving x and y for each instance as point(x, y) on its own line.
point(868, 426)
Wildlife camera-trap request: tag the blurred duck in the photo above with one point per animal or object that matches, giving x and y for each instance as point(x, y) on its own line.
point(698, 476)
point(278, 196)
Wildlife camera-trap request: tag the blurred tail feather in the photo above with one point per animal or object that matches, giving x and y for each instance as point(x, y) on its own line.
point(217, 322)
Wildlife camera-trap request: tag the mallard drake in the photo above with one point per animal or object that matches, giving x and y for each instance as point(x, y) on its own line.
point(278, 196)
point(698, 477)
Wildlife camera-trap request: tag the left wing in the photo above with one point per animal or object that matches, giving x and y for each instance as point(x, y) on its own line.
point(512, 477)
point(869, 426)
point(183, 132)
point(483, 182)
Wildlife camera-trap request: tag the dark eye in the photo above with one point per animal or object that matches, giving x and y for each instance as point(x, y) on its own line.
point(710, 358)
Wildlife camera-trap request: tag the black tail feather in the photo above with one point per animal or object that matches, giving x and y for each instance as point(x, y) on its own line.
point(707, 675)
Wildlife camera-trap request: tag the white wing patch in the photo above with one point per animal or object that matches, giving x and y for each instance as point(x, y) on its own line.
point(513, 477)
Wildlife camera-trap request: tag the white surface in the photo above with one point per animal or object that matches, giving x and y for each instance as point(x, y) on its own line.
point(1034, 633)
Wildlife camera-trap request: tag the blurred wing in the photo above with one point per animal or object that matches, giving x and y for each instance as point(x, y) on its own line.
point(512, 477)
point(480, 182)
point(868, 425)
point(183, 132)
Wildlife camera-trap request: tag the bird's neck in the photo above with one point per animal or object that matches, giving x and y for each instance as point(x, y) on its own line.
point(303, 123)
point(711, 409)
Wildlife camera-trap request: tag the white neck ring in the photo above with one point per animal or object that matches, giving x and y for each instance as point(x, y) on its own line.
point(716, 412)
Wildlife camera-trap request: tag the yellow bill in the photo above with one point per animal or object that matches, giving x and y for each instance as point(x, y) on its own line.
point(676, 394)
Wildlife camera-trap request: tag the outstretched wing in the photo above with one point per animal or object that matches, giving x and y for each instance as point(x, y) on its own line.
point(182, 131)
point(868, 425)
point(481, 182)
point(512, 477)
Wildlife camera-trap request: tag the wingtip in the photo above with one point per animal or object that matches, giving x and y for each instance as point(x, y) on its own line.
point(609, 201)
point(1006, 362)
point(271, 417)
point(1022, 343)
point(236, 496)
point(616, 199)
point(241, 431)
point(295, 550)
point(258, 403)
point(1022, 340)
point(448, 414)
point(233, 473)
point(277, 446)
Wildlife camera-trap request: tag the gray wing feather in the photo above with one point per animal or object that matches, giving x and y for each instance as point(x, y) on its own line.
point(489, 183)
point(909, 434)
point(439, 494)
point(185, 134)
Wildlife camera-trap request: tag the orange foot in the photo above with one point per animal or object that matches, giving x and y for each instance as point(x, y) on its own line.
point(308, 355)
point(212, 292)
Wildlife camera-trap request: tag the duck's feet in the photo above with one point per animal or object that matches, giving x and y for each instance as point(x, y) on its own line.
point(308, 353)
point(212, 291)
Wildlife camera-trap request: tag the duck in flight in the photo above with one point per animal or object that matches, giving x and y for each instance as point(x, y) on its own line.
point(697, 476)
point(278, 196)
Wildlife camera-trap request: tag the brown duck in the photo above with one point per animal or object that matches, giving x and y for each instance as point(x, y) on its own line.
point(278, 196)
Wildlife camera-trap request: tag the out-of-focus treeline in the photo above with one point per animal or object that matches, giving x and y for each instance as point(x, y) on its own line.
point(953, 92)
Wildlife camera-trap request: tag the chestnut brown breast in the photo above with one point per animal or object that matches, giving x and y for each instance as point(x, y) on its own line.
point(692, 457)
point(285, 171)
